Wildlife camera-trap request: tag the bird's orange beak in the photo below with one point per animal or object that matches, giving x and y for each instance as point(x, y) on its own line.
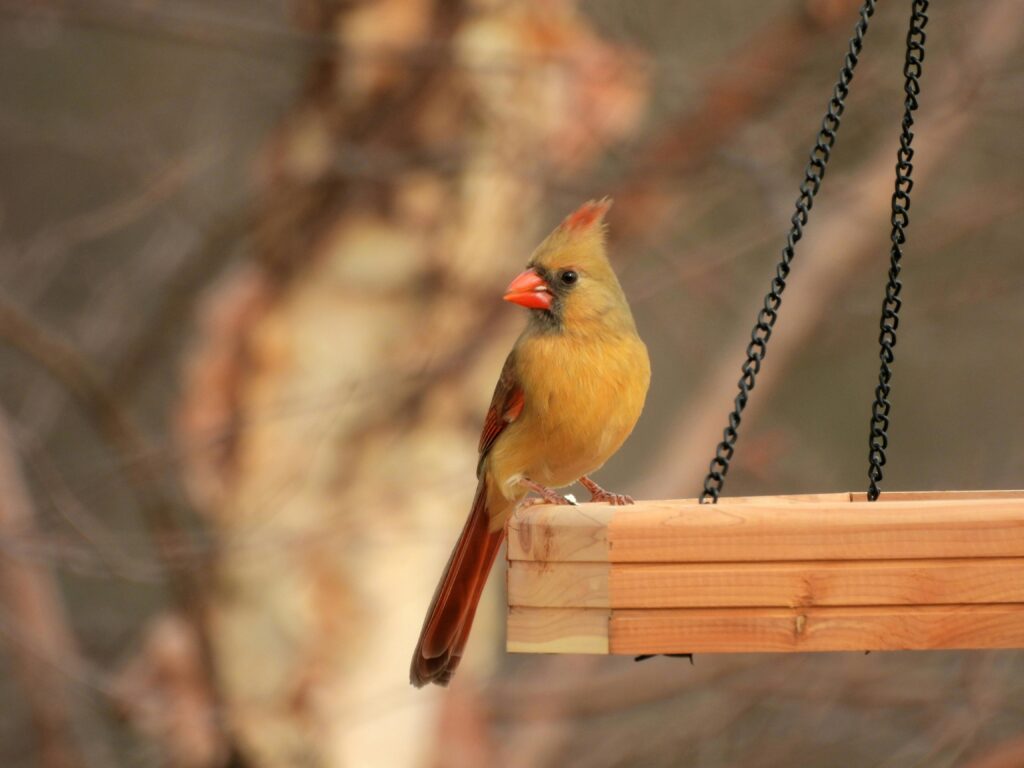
point(529, 290)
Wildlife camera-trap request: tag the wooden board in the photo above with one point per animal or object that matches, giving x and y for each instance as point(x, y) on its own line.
point(822, 572)
point(565, 630)
point(871, 628)
point(794, 584)
point(773, 529)
point(765, 630)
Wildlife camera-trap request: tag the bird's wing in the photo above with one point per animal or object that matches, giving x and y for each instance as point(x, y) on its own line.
point(506, 405)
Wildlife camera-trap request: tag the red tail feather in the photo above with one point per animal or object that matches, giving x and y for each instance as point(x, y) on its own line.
point(446, 628)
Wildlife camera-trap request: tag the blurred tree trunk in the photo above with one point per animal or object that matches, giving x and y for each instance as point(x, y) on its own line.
point(335, 391)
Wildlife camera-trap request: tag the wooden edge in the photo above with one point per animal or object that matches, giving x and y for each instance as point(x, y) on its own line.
point(557, 630)
point(889, 496)
point(558, 585)
point(765, 630)
point(546, 533)
point(808, 583)
point(579, 533)
point(944, 525)
point(747, 630)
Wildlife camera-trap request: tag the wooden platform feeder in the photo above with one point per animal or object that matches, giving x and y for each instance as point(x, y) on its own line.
point(830, 572)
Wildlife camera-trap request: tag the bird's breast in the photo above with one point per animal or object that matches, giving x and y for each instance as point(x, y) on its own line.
point(582, 398)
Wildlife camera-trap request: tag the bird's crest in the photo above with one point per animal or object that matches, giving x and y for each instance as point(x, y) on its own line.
point(587, 215)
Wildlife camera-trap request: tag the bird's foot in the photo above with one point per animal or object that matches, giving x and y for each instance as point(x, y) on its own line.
point(597, 493)
point(547, 496)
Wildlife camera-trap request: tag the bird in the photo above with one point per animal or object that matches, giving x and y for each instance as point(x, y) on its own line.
point(568, 396)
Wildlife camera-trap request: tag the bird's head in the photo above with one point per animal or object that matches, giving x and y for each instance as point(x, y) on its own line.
point(568, 281)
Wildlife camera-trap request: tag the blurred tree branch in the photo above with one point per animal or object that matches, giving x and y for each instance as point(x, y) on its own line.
point(177, 303)
point(851, 233)
point(1008, 754)
point(81, 380)
point(136, 459)
point(751, 77)
point(32, 602)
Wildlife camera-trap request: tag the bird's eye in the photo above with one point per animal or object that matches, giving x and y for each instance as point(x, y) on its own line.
point(568, 277)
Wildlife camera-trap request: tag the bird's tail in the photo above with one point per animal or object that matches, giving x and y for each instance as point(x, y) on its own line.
point(446, 628)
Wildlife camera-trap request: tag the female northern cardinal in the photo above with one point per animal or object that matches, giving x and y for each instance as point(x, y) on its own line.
point(567, 398)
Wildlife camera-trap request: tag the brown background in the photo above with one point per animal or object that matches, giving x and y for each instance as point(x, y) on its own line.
point(251, 256)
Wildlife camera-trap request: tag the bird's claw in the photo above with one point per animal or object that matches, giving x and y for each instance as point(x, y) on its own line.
point(547, 496)
point(615, 499)
point(597, 493)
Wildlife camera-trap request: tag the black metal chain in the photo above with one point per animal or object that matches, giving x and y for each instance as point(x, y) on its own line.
point(766, 318)
point(912, 68)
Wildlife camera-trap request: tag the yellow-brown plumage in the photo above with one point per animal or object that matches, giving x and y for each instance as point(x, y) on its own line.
point(569, 395)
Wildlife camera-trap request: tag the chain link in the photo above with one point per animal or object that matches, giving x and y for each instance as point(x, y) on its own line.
point(912, 68)
point(768, 314)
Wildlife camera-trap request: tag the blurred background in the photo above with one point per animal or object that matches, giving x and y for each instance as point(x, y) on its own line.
point(251, 260)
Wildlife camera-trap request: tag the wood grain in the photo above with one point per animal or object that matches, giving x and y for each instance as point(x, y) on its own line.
point(726, 630)
point(557, 630)
point(580, 533)
point(772, 529)
point(560, 533)
point(810, 583)
point(559, 585)
point(765, 630)
point(820, 572)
